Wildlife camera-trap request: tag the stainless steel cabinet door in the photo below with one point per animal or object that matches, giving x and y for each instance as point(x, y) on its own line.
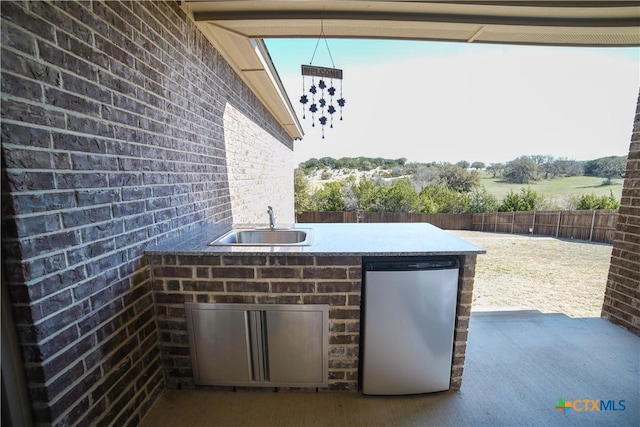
point(275, 345)
point(295, 350)
point(221, 344)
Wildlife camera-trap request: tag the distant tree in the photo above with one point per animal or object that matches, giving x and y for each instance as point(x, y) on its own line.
point(562, 167)
point(301, 197)
point(367, 165)
point(309, 165)
point(463, 164)
point(593, 202)
point(358, 163)
point(496, 169)
point(342, 162)
point(424, 175)
point(527, 200)
point(397, 171)
point(569, 167)
point(412, 168)
point(329, 197)
point(326, 175)
point(400, 196)
point(328, 162)
point(522, 170)
point(369, 196)
point(438, 198)
point(549, 170)
point(348, 194)
point(363, 195)
point(478, 165)
point(378, 162)
point(459, 179)
point(480, 200)
point(540, 159)
point(606, 167)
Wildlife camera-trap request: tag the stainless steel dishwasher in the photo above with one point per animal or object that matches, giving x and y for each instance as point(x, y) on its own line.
point(409, 308)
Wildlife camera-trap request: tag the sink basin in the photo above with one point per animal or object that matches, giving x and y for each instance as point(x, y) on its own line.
point(265, 237)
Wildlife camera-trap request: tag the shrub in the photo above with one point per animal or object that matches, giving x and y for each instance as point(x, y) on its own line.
point(326, 175)
point(480, 200)
point(400, 196)
point(592, 202)
point(301, 198)
point(438, 198)
point(329, 198)
point(527, 200)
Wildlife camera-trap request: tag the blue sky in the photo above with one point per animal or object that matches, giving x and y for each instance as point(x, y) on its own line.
point(429, 101)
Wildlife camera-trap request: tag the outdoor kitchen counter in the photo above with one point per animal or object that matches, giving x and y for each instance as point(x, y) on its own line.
point(364, 239)
point(326, 272)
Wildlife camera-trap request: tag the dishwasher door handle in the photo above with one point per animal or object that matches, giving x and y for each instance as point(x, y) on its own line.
point(412, 265)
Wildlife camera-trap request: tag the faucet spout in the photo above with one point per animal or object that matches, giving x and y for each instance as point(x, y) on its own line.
point(272, 218)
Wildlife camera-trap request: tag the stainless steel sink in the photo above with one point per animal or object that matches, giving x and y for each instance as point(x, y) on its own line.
point(265, 237)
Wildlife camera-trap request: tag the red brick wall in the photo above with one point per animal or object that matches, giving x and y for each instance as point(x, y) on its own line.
point(112, 139)
point(334, 281)
point(280, 279)
point(622, 296)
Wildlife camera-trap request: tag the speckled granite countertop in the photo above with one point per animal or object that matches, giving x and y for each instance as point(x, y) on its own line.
point(370, 239)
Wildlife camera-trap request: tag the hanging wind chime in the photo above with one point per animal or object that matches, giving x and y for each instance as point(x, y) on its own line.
point(324, 90)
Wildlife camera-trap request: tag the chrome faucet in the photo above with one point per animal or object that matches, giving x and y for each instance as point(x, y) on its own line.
point(272, 218)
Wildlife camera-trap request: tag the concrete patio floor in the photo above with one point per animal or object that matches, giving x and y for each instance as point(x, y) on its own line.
point(519, 363)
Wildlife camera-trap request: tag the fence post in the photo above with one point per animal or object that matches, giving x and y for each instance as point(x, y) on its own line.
point(533, 226)
point(593, 221)
point(495, 224)
point(482, 227)
point(513, 220)
point(558, 225)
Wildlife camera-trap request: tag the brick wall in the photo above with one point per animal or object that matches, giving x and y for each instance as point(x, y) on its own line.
point(260, 172)
point(622, 295)
point(113, 137)
point(259, 280)
point(461, 333)
point(279, 279)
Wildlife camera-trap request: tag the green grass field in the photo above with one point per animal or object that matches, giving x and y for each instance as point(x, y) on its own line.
point(558, 190)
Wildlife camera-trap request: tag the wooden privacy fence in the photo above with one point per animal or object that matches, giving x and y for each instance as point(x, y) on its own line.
point(594, 226)
point(445, 221)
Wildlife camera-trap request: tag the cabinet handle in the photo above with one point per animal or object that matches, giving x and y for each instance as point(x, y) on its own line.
point(256, 346)
point(250, 337)
point(265, 340)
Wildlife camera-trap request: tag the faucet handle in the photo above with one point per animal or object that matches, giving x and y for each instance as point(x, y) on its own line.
point(272, 218)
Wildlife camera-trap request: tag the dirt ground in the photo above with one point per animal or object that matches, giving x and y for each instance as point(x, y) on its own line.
point(541, 273)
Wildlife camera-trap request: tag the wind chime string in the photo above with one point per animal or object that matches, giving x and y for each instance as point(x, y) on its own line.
point(303, 100)
point(323, 73)
point(326, 43)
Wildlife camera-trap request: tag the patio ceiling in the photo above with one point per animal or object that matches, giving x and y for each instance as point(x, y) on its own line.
point(236, 29)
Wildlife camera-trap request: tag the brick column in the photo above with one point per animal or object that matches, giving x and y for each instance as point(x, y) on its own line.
point(465, 298)
point(622, 296)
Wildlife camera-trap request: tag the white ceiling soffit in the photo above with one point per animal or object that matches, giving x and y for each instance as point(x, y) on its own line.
point(231, 26)
point(592, 23)
point(251, 61)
